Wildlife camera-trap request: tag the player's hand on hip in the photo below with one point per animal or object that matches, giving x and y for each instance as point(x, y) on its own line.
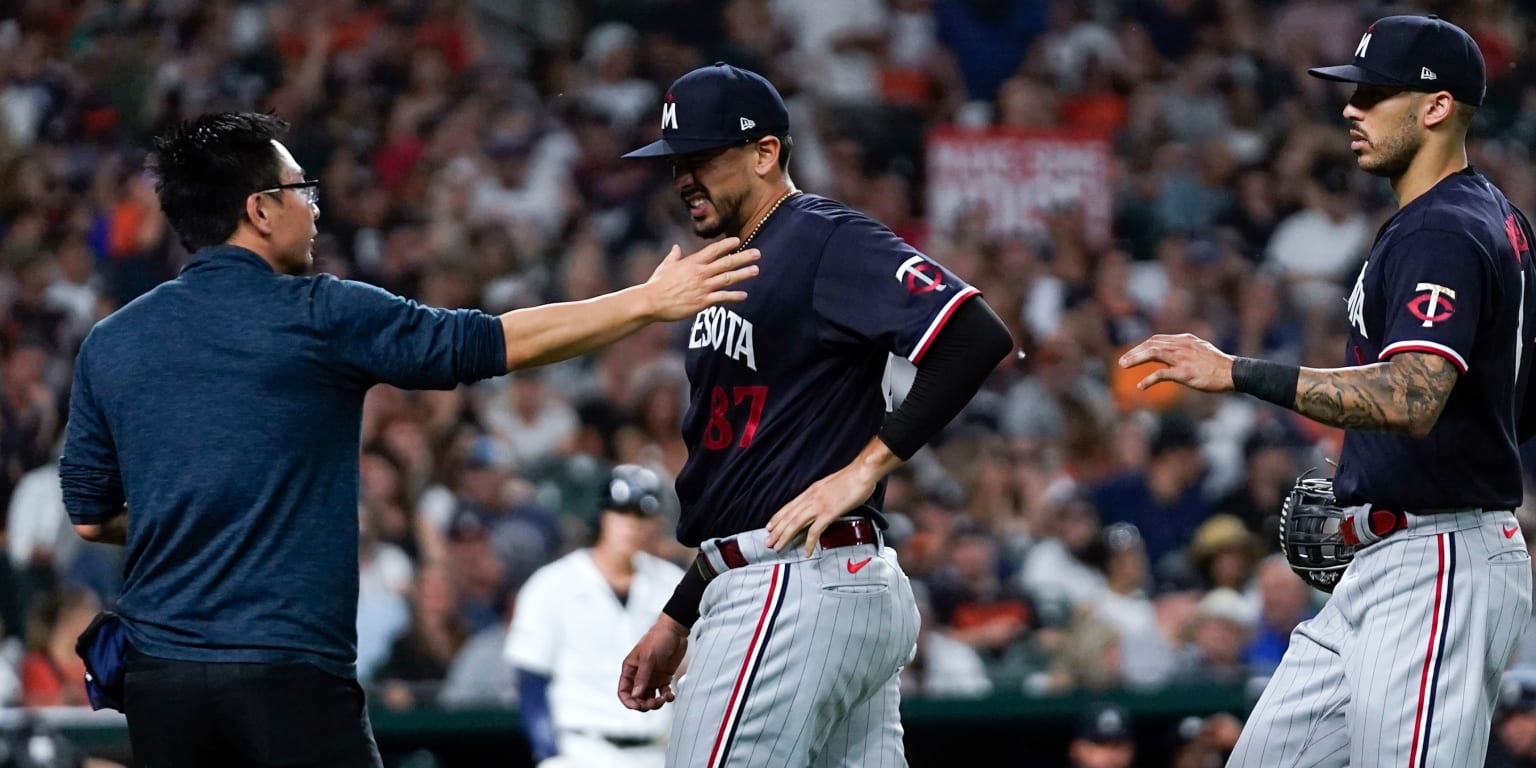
point(818, 507)
point(682, 286)
point(1190, 360)
point(645, 683)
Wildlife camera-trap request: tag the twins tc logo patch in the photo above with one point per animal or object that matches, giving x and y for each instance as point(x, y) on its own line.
point(1433, 304)
point(920, 276)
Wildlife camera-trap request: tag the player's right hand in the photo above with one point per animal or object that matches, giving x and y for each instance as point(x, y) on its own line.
point(1190, 360)
point(682, 286)
point(645, 683)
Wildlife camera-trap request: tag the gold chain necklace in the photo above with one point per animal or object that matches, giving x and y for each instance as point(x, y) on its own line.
point(764, 219)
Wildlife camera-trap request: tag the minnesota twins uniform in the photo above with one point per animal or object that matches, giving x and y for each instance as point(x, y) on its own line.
point(1402, 666)
point(795, 657)
point(795, 660)
point(570, 627)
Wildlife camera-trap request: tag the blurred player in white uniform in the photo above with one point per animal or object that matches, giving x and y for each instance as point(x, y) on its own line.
point(575, 620)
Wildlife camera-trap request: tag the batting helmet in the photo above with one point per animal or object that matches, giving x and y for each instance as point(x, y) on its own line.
point(633, 488)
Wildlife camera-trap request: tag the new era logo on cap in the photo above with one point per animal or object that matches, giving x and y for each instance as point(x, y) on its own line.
point(1416, 53)
point(748, 124)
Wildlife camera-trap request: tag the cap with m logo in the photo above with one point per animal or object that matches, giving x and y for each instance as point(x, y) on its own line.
point(1417, 53)
point(717, 106)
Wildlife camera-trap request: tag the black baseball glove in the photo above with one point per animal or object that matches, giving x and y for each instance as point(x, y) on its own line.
point(1309, 533)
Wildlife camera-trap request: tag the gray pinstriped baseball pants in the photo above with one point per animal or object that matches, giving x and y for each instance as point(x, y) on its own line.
point(795, 661)
point(1401, 668)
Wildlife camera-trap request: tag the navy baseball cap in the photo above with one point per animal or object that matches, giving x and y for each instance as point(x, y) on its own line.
point(717, 106)
point(1418, 53)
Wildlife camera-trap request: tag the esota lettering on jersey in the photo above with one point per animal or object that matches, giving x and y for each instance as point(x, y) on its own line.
point(724, 331)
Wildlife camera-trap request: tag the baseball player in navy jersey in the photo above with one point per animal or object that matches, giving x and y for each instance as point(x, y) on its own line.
point(804, 618)
point(1401, 668)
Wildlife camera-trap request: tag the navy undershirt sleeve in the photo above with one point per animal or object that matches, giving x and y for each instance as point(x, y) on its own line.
point(533, 711)
point(966, 350)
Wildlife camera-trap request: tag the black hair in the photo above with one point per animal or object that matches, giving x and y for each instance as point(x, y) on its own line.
point(206, 169)
point(786, 146)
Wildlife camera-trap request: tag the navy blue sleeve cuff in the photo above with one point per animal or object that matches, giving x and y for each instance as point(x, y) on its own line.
point(90, 496)
point(487, 349)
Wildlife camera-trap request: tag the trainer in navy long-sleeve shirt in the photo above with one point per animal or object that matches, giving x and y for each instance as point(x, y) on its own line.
point(224, 407)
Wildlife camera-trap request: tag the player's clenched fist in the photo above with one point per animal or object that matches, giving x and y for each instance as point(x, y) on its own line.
point(682, 286)
point(645, 683)
point(1190, 360)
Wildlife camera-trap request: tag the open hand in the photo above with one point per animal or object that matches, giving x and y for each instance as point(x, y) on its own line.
point(1191, 360)
point(645, 683)
point(818, 507)
point(682, 286)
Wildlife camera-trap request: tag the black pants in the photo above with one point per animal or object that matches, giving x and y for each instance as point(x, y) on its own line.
point(184, 714)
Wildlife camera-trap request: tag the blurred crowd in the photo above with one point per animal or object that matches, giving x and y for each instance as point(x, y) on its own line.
point(1067, 532)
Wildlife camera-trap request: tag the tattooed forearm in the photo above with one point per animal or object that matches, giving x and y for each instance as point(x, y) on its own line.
point(1403, 395)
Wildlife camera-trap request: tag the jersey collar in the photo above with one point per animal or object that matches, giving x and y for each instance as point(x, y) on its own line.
point(226, 256)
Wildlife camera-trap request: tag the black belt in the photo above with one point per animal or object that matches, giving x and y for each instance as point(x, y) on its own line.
point(841, 533)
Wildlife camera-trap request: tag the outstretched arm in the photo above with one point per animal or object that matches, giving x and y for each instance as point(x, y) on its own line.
point(1404, 394)
point(681, 286)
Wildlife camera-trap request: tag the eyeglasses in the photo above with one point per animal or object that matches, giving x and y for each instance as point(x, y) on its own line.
point(309, 189)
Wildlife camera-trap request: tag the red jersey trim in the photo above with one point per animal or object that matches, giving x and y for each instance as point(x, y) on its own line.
point(938, 322)
point(1425, 346)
